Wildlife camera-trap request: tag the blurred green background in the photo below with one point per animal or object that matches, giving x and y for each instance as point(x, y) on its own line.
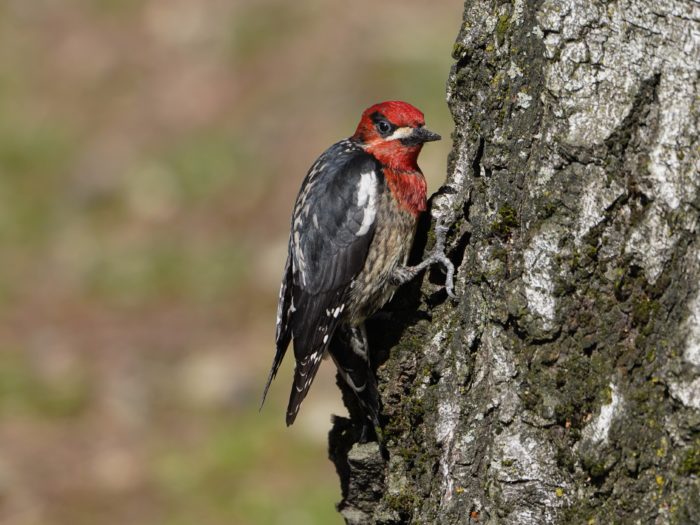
point(150, 154)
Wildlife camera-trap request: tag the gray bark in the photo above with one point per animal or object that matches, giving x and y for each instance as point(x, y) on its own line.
point(564, 385)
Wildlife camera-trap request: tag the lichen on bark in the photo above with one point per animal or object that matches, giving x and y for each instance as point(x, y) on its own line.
point(564, 386)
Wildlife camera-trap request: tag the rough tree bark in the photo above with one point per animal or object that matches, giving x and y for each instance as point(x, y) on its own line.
point(564, 386)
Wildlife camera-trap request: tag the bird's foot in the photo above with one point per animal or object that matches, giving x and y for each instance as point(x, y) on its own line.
point(406, 273)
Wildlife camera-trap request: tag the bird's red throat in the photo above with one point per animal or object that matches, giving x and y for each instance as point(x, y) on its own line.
point(402, 174)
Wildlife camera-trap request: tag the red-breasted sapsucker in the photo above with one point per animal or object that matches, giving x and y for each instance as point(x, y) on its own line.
point(352, 229)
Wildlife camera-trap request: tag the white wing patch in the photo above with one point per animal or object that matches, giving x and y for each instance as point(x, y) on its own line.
point(367, 199)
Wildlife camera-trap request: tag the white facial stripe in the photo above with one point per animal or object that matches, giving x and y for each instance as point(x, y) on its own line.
point(367, 199)
point(400, 133)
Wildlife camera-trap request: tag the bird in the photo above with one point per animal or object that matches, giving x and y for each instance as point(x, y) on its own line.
point(352, 228)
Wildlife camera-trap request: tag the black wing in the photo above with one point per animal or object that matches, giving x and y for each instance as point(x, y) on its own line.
point(332, 227)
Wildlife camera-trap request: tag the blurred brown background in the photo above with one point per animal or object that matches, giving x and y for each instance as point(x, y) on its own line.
point(150, 154)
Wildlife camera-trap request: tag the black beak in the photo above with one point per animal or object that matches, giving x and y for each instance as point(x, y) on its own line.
point(419, 136)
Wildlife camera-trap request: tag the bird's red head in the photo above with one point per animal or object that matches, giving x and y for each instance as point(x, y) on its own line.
point(393, 132)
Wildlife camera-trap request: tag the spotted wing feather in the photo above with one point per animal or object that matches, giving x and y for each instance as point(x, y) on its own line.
point(332, 227)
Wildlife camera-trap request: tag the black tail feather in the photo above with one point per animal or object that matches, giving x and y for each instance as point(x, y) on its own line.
point(304, 374)
point(283, 331)
point(282, 345)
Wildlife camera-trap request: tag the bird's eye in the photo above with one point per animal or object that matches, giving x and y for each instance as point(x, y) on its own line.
point(384, 127)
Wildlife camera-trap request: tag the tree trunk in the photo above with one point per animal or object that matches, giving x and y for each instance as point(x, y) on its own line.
point(564, 385)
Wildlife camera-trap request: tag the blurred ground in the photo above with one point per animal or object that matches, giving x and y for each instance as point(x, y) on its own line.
point(150, 153)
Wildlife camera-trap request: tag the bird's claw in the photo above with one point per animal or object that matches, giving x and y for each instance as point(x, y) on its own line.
point(450, 273)
point(439, 255)
point(406, 273)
